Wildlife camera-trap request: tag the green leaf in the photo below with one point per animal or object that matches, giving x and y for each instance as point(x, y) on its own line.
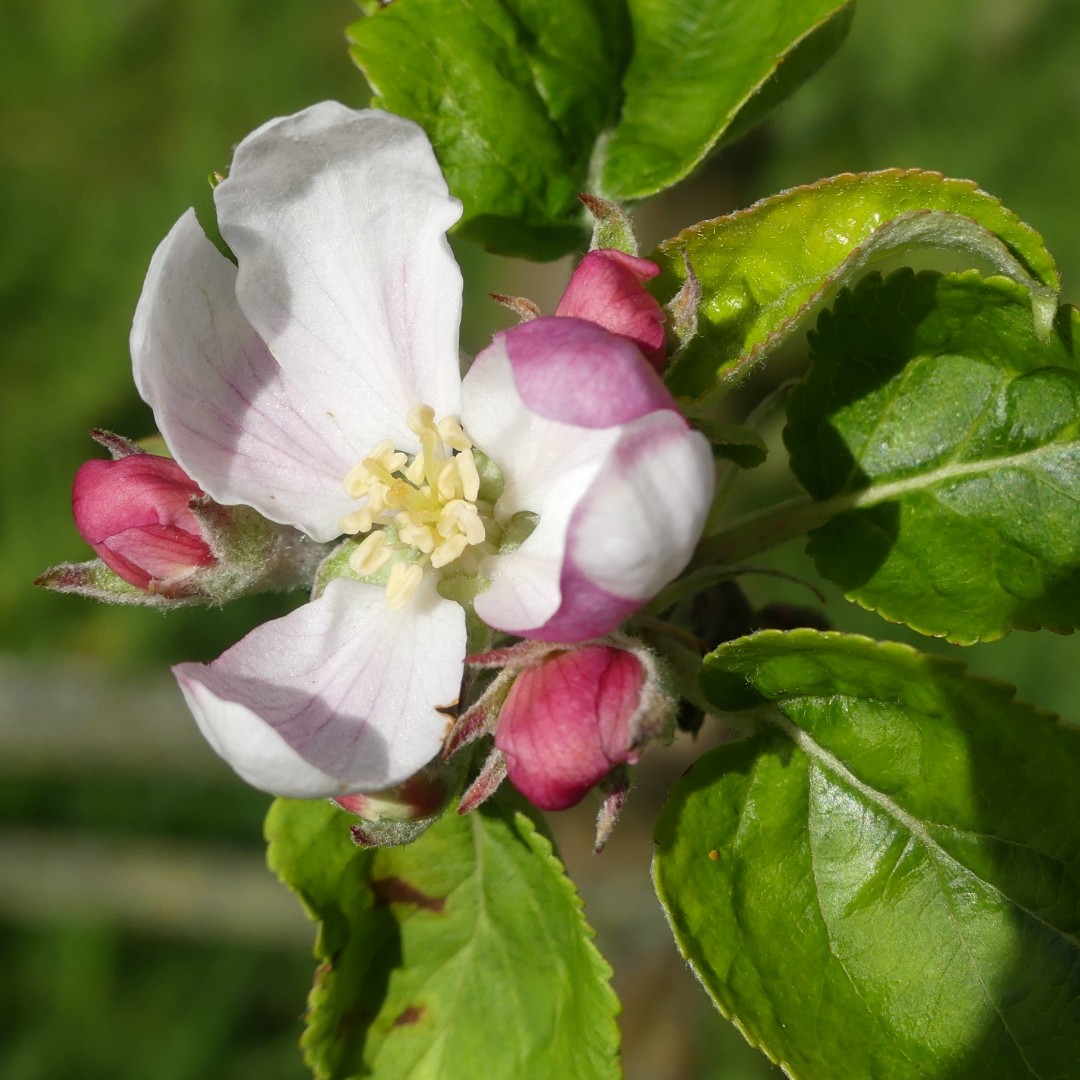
point(884, 879)
point(513, 94)
point(763, 270)
point(527, 104)
point(941, 439)
point(740, 445)
point(704, 70)
point(464, 952)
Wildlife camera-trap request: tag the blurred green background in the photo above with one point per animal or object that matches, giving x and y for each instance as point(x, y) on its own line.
point(139, 935)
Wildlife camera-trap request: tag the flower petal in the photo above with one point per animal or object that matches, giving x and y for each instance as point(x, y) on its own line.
point(577, 372)
point(337, 219)
point(233, 419)
point(635, 529)
point(341, 695)
point(574, 416)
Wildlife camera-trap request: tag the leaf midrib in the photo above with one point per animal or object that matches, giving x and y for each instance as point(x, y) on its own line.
point(830, 763)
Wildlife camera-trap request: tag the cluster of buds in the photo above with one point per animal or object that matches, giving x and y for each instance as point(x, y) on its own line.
point(160, 541)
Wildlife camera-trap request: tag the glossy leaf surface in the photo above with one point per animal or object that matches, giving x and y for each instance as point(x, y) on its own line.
point(883, 880)
point(513, 94)
point(765, 269)
point(704, 71)
point(531, 102)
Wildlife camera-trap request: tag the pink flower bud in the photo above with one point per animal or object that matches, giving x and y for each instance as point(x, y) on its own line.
point(571, 719)
point(135, 513)
point(606, 288)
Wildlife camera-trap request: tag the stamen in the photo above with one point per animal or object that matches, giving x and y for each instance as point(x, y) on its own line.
point(371, 555)
point(451, 433)
point(421, 420)
point(404, 579)
point(430, 501)
point(359, 521)
point(470, 478)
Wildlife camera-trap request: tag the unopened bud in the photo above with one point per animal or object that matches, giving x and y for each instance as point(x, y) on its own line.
point(135, 512)
point(607, 288)
point(162, 542)
point(577, 715)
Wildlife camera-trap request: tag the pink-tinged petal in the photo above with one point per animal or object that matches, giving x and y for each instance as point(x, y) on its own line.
point(584, 569)
point(231, 416)
point(567, 722)
point(340, 696)
point(109, 496)
point(577, 373)
point(134, 511)
point(338, 220)
point(607, 288)
point(547, 466)
point(630, 533)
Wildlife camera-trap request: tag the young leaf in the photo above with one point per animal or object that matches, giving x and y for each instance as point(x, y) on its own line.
point(527, 104)
point(942, 439)
point(764, 269)
point(884, 879)
point(513, 94)
point(462, 953)
point(706, 72)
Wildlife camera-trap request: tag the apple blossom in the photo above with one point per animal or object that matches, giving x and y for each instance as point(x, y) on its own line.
point(556, 486)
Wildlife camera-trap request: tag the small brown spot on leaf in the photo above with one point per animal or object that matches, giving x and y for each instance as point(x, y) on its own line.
point(714, 855)
point(412, 1015)
point(395, 890)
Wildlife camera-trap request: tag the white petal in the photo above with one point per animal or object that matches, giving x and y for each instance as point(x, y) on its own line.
point(337, 219)
point(342, 695)
point(620, 507)
point(236, 423)
point(547, 466)
point(638, 525)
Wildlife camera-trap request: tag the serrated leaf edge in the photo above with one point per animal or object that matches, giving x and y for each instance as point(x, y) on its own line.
point(1043, 294)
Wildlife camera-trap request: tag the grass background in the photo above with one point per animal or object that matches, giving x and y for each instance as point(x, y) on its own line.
point(139, 936)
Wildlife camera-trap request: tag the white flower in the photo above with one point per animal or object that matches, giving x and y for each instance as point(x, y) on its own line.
point(319, 382)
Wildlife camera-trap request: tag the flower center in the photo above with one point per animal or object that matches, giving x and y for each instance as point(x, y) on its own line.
point(425, 509)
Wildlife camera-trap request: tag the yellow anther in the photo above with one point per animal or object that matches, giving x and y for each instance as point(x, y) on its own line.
point(459, 516)
point(448, 484)
point(371, 555)
point(449, 550)
point(421, 420)
point(404, 579)
point(356, 481)
point(359, 521)
point(470, 478)
point(430, 501)
point(451, 433)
